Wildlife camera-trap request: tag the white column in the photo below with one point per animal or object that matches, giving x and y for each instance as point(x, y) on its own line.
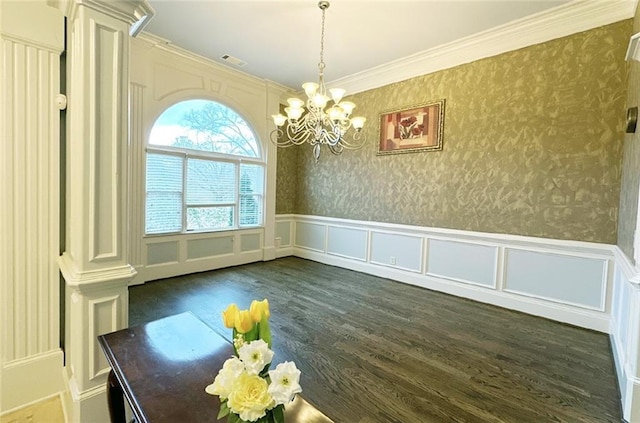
point(95, 264)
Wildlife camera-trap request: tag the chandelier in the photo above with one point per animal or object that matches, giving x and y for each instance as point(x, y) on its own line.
point(313, 121)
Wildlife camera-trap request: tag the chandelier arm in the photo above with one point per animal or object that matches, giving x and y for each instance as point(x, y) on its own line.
point(298, 133)
point(358, 141)
point(336, 149)
point(334, 135)
point(276, 137)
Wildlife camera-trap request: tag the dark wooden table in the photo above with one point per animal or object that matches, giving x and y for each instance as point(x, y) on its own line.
point(162, 368)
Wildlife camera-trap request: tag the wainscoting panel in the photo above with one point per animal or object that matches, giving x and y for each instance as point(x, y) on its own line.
point(311, 236)
point(250, 242)
point(625, 333)
point(180, 254)
point(397, 250)
point(209, 247)
point(567, 279)
point(347, 242)
point(283, 233)
point(479, 266)
point(162, 252)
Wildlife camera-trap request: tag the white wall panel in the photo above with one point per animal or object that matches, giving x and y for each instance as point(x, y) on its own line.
point(569, 279)
point(169, 80)
point(405, 250)
point(209, 247)
point(461, 261)
point(310, 235)
point(625, 334)
point(250, 242)
point(30, 178)
point(283, 231)
point(347, 242)
point(31, 40)
point(163, 252)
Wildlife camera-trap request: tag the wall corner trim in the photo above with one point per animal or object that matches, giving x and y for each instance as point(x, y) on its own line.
point(630, 271)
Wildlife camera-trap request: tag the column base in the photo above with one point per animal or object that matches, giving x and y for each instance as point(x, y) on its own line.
point(87, 406)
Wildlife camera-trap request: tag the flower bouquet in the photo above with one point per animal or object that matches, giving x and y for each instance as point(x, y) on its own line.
point(248, 390)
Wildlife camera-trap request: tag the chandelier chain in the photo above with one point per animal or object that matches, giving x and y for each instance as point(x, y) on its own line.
point(321, 65)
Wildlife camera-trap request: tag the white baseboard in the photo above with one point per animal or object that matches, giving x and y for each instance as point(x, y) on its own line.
point(30, 380)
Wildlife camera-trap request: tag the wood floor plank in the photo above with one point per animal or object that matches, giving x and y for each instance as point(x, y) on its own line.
point(374, 350)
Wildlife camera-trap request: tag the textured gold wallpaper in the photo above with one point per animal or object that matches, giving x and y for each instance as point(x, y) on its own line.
point(287, 180)
point(532, 146)
point(627, 214)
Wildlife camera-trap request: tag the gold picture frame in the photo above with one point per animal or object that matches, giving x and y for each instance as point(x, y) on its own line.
point(413, 129)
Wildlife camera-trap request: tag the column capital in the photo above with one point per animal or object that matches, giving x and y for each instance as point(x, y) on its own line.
point(136, 13)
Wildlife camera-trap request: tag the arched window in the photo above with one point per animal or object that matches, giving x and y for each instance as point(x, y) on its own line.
point(204, 170)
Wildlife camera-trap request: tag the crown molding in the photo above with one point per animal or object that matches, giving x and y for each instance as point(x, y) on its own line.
point(163, 44)
point(561, 21)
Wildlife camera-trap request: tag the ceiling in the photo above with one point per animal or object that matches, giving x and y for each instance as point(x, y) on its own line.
point(280, 40)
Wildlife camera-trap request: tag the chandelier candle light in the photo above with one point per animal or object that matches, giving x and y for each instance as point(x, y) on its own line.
point(316, 124)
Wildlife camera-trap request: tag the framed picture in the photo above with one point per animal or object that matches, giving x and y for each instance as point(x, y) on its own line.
point(409, 130)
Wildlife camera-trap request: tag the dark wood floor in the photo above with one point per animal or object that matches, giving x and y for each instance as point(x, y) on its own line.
point(374, 350)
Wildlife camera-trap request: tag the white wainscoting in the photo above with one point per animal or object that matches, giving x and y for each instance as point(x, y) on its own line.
point(625, 333)
point(567, 281)
point(173, 255)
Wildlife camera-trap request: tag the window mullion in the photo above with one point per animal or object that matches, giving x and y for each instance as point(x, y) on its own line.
point(185, 173)
point(237, 205)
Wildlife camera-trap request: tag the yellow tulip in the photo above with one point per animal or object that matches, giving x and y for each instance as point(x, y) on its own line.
point(244, 322)
point(230, 316)
point(259, 309)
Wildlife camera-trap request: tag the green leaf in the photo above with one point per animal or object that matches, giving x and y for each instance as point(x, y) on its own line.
point(235, 333)
point(278, 414)
point(265, 331)
point(234, 418)
point(252, 335)
point(224, 410)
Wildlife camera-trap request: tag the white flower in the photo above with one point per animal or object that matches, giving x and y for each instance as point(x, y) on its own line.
point(284, 382)
point(255, 355)
point(226, 378)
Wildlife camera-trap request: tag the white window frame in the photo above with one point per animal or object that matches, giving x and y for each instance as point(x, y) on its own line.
point(187, 154)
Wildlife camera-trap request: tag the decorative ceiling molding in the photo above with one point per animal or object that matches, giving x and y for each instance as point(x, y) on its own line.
point(153, 41)
point(558, 22)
